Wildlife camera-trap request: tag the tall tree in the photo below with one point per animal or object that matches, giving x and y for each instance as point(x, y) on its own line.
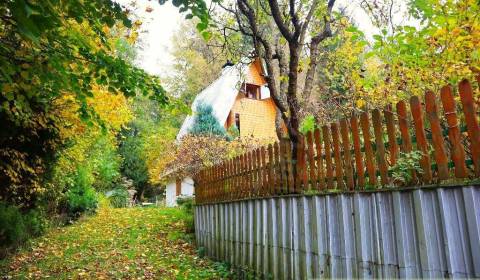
point(286, 35)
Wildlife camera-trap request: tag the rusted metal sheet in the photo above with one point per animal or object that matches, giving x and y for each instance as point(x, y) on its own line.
point(421, 233)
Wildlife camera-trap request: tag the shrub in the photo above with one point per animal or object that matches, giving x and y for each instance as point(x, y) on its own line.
point(119, 198)
point(16, 227)
point(81, 197)
point(406, 164)
point(186, 203)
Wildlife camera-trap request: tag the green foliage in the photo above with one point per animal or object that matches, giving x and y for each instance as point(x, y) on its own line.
point(81, 197)
point(119, 198)
point(187, 206)
point(134, 165)
point(233, 132)
point(405, 165)
point(308, 124)
point(205, 123)
point(16, 227)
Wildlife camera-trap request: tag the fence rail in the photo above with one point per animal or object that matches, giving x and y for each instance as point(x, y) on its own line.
point(357, 153)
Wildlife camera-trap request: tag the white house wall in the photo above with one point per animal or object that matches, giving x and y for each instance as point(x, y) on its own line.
point(187, 189)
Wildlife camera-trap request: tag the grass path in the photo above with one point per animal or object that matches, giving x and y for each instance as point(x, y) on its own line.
point(135, 243)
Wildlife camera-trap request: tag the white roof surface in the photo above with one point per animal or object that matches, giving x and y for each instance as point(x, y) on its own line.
point(220, 94)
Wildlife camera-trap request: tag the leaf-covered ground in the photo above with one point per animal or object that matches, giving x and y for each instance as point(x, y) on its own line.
point(134, 243)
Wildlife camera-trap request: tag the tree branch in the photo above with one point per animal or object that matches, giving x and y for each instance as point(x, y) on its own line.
point(276, 14)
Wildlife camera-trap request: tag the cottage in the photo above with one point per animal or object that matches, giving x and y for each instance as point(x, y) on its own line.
point(238, 97)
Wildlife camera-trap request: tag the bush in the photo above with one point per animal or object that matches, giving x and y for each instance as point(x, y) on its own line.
point(81, 197)
point(186, 203)
point(16, 227)
point(119, 198)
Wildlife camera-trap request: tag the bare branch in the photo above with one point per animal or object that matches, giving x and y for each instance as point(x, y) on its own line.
point(276, 14)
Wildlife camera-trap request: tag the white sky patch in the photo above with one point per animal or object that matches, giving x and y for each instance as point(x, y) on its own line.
point(159, 25)
point(156, 37)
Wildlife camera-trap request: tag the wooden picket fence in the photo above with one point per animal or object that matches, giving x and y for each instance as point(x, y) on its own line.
point(357, 153)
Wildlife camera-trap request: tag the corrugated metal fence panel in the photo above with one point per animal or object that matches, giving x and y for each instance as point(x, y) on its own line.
point(429, 233)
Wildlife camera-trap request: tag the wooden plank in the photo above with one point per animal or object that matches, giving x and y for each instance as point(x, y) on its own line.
point(457, 152)
point(271, 164)
point(283, 166)
point(370, 162)
point(300, 165)
point(328, 156)
point(357, 149)
point(243, 179)
point(227, 180)
point(311, 160)
point(440, 151)
point(264, 171)
point(235, 177)
point(288, 149)
point(380, 152)
point(421, 137)
point(258, 175)
point(392, 136)
point(277, 175)
point(337, 156)
point(404, 133)
point(473, 129)
point(320, 173)
point(347, 153)
point(250, 173)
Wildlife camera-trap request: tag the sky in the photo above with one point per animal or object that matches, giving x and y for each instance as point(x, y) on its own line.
point(160, 22)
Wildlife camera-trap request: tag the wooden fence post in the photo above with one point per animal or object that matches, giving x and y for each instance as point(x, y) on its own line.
point(422, 145)
point(358, 152)
point(320, 174)
point(470, 113)
point(347, 153)
point(337, 156)
point(371, 170)
point(378, 131)
point(457, 152)
point(437, 135)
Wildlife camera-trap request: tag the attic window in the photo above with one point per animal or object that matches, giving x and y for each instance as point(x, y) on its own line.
point(252, 91)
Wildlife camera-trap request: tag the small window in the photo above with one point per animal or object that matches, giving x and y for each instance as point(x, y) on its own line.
point(237, 121)
point(252, 91)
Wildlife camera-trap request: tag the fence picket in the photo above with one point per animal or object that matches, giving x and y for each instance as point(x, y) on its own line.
point(283, 167)
point(288, 159)
point(392, 136)
point(422, 145)
point(404, 133)
point(347, 153)
point(277, 175)
point(371, 170)
point(380, 146)
point(264, 171)
point(328, 156)
point(437, 137)
point(337, 156)
point(469, 111)
point(311, 160)
point(457, 152)
point(320, 173)
point(360, 169)
point(302, 164)
point(271, 163)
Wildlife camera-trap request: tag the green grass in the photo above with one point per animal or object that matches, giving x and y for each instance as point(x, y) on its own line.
point(128, 243)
